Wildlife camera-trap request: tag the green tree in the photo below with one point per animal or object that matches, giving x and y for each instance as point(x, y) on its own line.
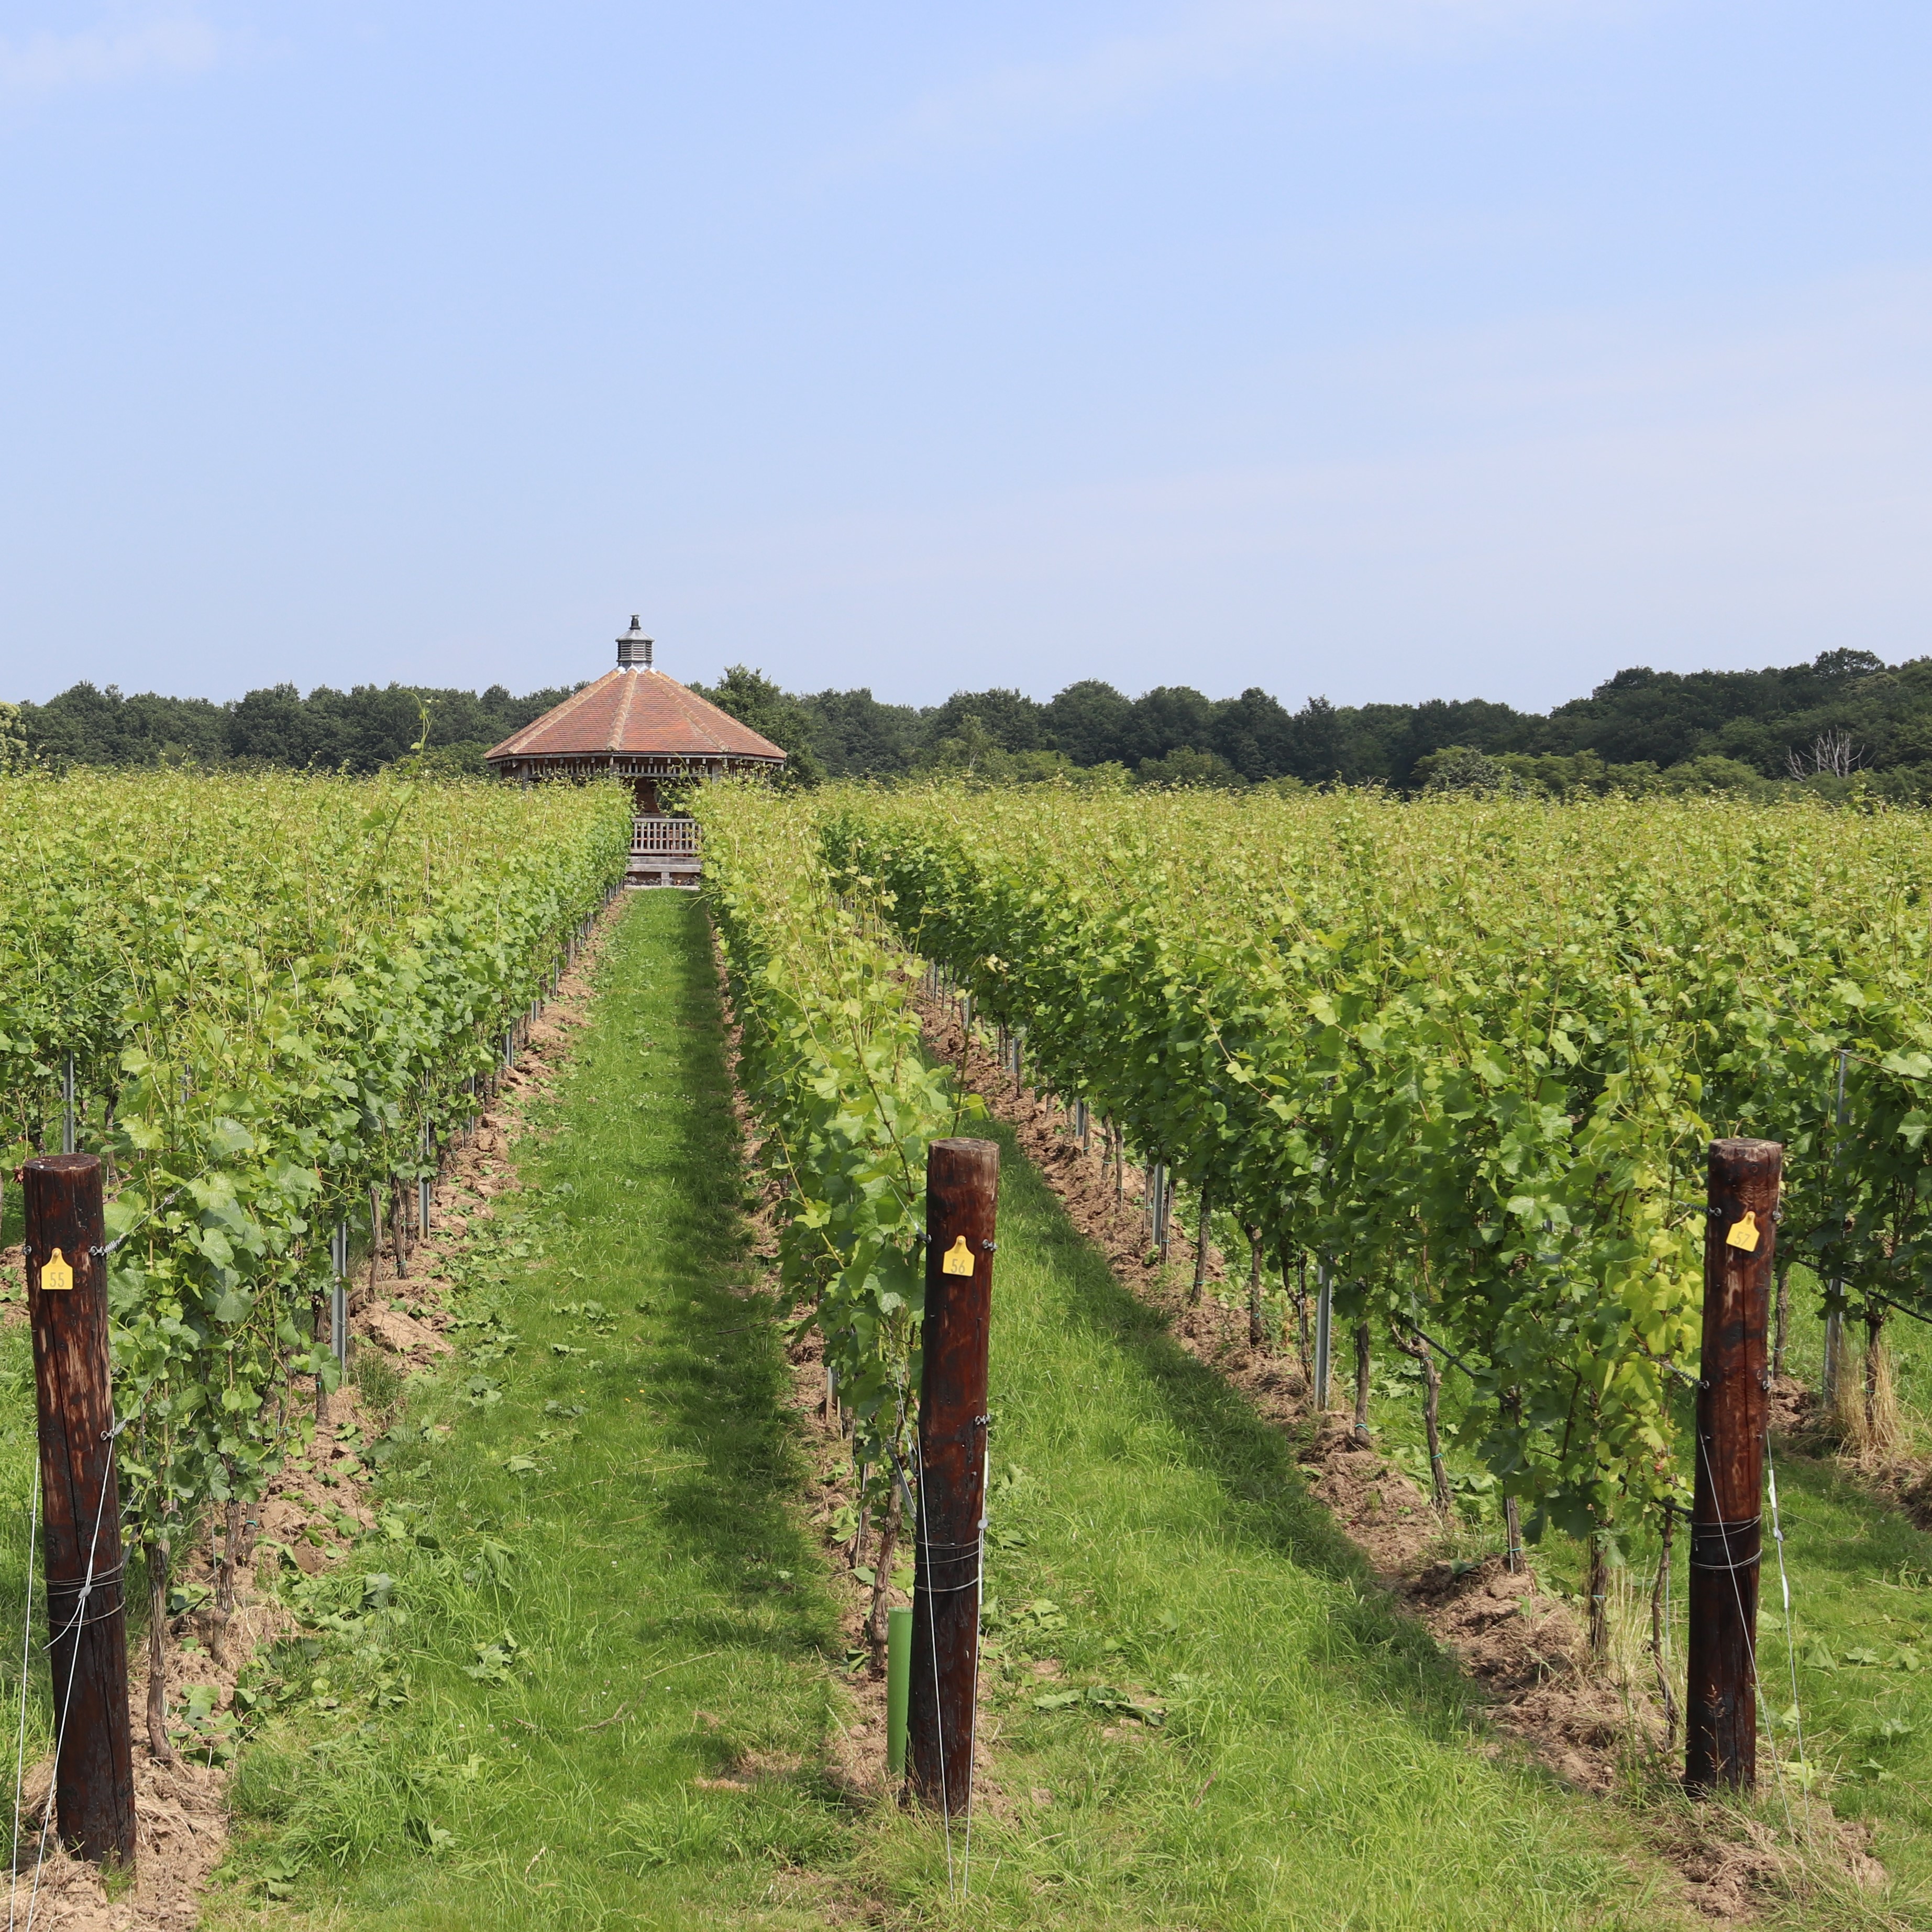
point(1463, 768)
point(753, 699)
point(1188, 767)
point(1013, 721)
point(1088, 720)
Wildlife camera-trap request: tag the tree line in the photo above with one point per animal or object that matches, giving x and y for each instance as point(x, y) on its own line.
point(1845, 720)
point(360, 730)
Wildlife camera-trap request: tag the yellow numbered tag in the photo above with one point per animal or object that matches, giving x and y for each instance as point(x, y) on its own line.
point(1744, 1235)
point(958, 1259)
point(56, 1277)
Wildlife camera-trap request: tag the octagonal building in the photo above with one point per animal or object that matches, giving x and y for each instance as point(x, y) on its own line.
point(637, 724)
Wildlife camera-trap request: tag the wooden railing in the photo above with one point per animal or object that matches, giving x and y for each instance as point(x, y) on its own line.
point(664, 838)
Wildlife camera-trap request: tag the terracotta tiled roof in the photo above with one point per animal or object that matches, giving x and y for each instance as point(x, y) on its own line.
point(637, 711)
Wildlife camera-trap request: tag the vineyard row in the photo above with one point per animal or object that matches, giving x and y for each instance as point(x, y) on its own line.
point(269, 1002)
point(1466, 1056)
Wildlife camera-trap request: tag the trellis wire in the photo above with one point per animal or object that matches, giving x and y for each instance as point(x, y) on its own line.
point(978, 1604)
point(1784, 1586)
point(107, 1484)
point(26, 1663)
point(938, 1710)
point(1757, 1686)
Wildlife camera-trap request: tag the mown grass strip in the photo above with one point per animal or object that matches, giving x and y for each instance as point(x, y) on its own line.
point(1319, 1764)
point(599, 1594)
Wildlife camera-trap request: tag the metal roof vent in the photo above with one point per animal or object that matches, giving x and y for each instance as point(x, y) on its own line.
point(633, 648)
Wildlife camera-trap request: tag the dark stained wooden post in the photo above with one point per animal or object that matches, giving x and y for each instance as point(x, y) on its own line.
point(67, 1280)
point(962, 1194)
point(1733, 1403)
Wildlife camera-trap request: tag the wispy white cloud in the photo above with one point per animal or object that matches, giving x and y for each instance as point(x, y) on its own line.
point(1214, 40)
point(49, 63)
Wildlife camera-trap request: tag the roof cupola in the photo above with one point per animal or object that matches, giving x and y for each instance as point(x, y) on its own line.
point(633, 649)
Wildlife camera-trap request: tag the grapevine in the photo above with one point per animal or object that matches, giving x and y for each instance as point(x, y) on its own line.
point(279, 992)
point(830, 1061)
point(1469, 1052)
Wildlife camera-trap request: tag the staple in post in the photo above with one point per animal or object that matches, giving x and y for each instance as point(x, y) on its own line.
point(961, 1209)
point(1733, 1399)
point(67, 1283)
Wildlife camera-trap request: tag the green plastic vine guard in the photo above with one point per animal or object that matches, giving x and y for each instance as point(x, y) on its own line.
point(899, 1686)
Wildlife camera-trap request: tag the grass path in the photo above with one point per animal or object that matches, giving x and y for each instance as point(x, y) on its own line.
point(532, 1699)
point(1861, 1577)
point(1318, 1766)
point(579, 1641)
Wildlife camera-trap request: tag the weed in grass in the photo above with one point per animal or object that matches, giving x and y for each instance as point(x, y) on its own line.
point(378, 1381)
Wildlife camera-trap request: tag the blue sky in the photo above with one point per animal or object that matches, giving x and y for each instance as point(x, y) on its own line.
point(1384, 348)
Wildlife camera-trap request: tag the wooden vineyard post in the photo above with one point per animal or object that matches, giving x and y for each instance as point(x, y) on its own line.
point(1721, 1729)
point(962, 1193)
point(67, 1281)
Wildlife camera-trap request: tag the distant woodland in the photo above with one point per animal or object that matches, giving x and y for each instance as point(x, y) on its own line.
point(1845, 722)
